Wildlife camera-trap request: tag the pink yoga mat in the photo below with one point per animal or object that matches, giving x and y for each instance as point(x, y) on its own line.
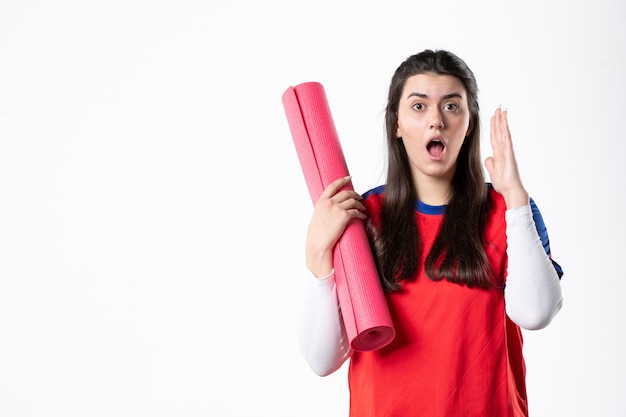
point(361, 297)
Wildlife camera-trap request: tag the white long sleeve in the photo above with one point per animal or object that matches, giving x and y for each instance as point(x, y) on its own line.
point(532, 296)
point(533, 290)
point(321, 333)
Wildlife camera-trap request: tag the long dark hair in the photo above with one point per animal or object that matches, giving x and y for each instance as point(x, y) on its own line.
point(458, 254)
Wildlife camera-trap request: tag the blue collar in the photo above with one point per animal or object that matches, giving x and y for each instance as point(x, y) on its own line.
point(428, 209)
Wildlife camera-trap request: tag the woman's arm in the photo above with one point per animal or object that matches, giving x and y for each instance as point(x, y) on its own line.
point(533, 289)
point(321, 333)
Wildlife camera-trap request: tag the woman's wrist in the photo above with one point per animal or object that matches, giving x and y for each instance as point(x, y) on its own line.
point(516, 197)
point(320, 263)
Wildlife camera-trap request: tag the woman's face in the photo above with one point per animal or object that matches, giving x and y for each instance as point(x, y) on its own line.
point(433, 120)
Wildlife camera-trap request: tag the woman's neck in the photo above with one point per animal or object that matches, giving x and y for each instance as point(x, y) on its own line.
point(433, 191)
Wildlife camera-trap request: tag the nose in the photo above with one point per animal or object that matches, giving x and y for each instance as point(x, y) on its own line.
point(436, 119)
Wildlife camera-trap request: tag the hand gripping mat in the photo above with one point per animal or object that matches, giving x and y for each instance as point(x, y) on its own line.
point(361, 297)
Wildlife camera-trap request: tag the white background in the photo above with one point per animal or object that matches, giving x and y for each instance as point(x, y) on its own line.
point(153, 210)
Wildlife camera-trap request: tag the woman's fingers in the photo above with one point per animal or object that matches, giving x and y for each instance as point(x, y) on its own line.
point(335, 208)
point(332, 188)
point(344, 199)
point(500, 133)
point(344, 195)
point(502, 166)
point(342, 206)
point(501, 143)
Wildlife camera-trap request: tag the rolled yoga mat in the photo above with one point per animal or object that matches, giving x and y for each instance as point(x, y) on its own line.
point(361, 298)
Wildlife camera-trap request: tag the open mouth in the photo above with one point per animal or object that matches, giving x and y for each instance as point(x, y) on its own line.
point(435, 148)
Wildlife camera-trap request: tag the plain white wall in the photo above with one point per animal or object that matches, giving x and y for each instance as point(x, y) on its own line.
point(153, 211)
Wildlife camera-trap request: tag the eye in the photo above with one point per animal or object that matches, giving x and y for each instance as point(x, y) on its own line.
point(451, 107)
point(418, 106)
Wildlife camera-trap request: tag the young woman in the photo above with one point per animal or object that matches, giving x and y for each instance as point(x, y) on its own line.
point(464, 264)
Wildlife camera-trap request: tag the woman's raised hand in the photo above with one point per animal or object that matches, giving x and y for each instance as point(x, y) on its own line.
point(333, 211)
point(502, 166)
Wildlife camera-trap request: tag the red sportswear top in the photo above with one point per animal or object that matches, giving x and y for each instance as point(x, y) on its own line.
point(455, 353)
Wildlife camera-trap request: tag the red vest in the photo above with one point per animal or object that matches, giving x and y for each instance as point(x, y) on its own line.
point(455, 353)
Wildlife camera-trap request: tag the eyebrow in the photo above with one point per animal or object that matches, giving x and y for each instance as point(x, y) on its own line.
point(445, 97)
